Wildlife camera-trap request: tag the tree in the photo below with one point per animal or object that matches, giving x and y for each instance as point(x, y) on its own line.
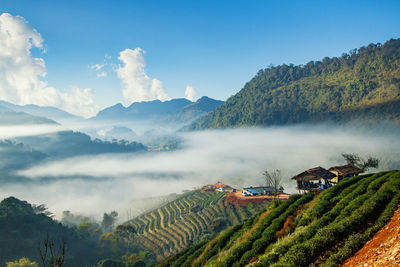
point(42, 209)
point(363, 163)
point(49, 257)
point(23, 262)
point(273, 179)
point(108, 221)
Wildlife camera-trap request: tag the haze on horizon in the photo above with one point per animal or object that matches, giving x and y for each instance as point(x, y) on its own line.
point(90, 185)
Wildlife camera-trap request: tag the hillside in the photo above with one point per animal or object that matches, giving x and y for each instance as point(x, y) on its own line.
point(194, 110)
point(306, 230)
point(190, 218)
point(22, 229)
point(383, 249)
point(364, 84)
point(142, 110)
point(46, 112)
point(70, 143)
point(177, 110)
point(16, 156)
point(10, 117)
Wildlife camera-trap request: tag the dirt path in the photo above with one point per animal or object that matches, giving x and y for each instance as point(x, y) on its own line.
point(383, 249)
point(239, 199)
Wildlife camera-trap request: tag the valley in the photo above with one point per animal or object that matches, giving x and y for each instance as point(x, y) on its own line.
point(199, 133)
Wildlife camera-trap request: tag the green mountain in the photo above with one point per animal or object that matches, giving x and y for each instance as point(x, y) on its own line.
point(306, 230)
point(22, 229)
point(364, 84)
point(70, 143)
point(14, 156)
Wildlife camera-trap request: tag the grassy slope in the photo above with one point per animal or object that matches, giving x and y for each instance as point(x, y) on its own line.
point(174, 226)
point(306, 230)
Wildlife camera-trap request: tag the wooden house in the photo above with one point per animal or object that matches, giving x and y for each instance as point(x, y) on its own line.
point(344, 171)
point(313, 179)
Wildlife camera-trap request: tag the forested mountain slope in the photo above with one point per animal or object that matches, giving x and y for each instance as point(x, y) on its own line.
point(22, 229)
point(364, 84)
point(306, 230)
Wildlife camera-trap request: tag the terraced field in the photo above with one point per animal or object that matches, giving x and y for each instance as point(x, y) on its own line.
point(172, 227)
point(306, 230)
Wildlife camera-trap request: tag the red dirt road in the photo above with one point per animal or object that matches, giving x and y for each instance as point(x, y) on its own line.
point(238, 198)
point(383, 249)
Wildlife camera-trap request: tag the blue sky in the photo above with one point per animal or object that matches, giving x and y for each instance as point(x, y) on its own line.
point(213, 46)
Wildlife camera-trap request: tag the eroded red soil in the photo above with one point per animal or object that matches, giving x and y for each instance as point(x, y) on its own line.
point(383, 249)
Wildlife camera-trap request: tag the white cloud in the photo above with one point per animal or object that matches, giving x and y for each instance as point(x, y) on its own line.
point(190, 92)
point(97, 66)
point(237, 157)
point(21, 75)
point(138, 85)
point(12, 131)
point(101, 75)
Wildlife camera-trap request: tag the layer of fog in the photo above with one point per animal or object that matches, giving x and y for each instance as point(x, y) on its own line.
point(93, 184)
point(11, 131)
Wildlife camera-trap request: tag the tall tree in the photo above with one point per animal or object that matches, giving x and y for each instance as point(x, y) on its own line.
point(273, 179)
point(109, 221)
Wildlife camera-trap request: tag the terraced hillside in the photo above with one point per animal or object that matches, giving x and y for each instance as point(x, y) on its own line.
point(172, 227)
point(305, 230)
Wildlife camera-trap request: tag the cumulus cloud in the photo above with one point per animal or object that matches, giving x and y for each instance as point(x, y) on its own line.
point(190, 92)
point(21, 75)
point(138, 85)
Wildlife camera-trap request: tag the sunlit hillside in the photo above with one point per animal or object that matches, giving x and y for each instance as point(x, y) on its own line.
point(306, 230)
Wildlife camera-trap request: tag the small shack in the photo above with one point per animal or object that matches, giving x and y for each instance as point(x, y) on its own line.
point(344, 171)
point(313, 179)
point(259, 190)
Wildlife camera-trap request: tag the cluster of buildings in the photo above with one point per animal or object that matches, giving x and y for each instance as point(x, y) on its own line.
point(260, 190)
point(314, 179)
point(218, 187)
point(319, 178)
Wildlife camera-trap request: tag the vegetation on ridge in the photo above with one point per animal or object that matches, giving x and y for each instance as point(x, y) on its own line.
point(362, 84)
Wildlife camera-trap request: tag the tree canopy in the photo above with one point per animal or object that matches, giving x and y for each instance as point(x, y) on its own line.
point(363, 84)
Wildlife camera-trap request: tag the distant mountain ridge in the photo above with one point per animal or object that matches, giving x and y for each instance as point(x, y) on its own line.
point(9, 116)
point(52, 113)
point(173, 110)
point(361, 85)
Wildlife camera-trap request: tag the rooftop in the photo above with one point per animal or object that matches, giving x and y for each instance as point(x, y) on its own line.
point(316, 173)
point(348, 169)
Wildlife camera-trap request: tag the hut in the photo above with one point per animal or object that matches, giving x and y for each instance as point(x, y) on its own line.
point(344, 171)
point(313, 179)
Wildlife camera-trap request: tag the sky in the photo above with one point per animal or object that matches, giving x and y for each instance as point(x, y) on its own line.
point(82, 56)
